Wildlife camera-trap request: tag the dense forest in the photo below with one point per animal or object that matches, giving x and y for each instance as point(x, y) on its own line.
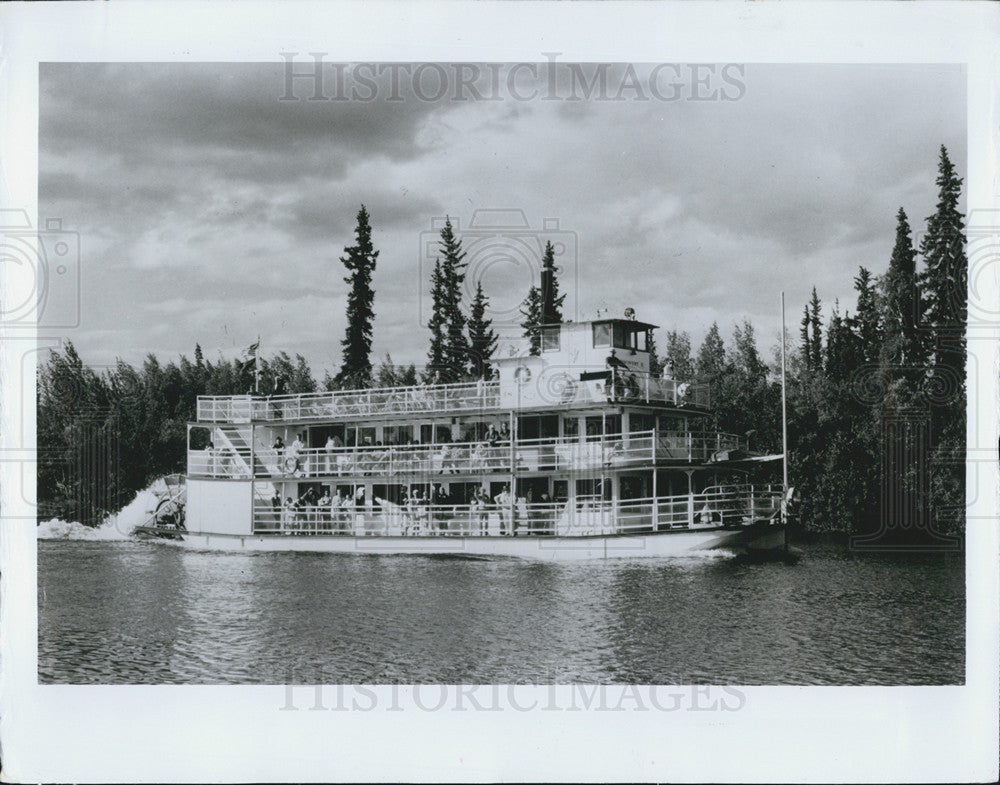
point(876, 398)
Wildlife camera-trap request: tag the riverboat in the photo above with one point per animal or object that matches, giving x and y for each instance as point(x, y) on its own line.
point(576, 452)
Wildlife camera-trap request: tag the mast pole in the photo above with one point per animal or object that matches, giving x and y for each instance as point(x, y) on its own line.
point(256, 369)
point(784, 429)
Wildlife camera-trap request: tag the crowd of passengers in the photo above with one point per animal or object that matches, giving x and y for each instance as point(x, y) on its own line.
point(432, 513)
point(485, 453)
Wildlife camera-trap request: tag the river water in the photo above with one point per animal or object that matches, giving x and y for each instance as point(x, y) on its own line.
point(127, 612)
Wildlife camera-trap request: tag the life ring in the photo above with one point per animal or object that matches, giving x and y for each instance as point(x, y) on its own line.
point(290, 464)
point(522, 375)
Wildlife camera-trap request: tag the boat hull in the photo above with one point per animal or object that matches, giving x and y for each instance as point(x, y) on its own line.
point(656, 545)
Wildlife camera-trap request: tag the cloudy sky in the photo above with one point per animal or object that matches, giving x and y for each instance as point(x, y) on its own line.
point(210, 211)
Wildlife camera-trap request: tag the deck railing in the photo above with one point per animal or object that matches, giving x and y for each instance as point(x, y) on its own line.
point(348, 404)
point(459, 398)
point(721, 505)
point(637, 449)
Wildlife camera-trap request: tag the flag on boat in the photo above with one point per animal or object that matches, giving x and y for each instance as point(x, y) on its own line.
point(250, 363)
point(250, 355)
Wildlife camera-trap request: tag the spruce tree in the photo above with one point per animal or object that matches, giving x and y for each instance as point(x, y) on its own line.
point(945, 274)
point(900, 316)
point(482, 339)
point(552, 301)
point(816, 333)
point(360, 259)
point(867, 320)
point(456, 346)
point(436, 324)
point(531, 310)
point(805, 349)
point(944, 285)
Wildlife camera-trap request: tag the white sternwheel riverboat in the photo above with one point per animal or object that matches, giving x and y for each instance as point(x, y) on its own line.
point(576, 453)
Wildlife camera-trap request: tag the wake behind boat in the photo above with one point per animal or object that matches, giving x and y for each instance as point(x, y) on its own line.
point(578, 452)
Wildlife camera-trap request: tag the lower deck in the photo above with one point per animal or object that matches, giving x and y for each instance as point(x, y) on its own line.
point(242, 508)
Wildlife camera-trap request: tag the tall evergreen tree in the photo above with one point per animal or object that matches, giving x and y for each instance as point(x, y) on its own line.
point(867, 320)
point(437, 351)
point(900, 316)
point(805, 349)
point(945, 273)
point(552, 301)
point(360, 260)
point(816, 333)
point(944, 285)
point(456, 347)
point(531, 310)
point(482, 339)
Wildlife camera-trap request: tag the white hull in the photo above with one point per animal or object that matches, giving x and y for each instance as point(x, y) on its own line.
point(664, 544)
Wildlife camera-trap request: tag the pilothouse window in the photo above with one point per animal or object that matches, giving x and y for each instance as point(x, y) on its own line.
point(550, 339)
point(602, 334)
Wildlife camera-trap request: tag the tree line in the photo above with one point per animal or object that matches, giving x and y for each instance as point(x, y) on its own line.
point(876, 399)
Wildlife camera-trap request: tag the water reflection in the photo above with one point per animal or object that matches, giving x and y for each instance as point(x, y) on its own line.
point(140, 613)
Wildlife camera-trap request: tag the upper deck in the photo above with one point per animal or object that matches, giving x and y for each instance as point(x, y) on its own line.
point(580, 364)
point(476, 397)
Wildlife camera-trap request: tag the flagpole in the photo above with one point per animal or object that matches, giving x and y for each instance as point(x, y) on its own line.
point(256, 368)
point(784, 429)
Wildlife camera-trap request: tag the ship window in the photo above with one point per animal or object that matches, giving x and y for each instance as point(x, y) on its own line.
point(571, 428)
point(389, 493)
point(550, 339)
point(634, 487)
point(602, 334)
point(612, 424)
point(462, 492)
point(592, 490)
point(620, 337)
point(640, 422)
point(560, 490)
point(669, 424)
point(527, 428)
point(397, 434)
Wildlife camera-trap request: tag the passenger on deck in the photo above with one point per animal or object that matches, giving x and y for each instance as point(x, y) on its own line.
point(481, 507)
point(503, 501)
point(336, 514)
point(324, 505)
point(440, 500)
point(331, 445)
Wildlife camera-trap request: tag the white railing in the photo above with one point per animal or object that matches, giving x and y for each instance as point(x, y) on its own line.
point(347, 404)
point(641, 448)
point(621, 387)
point(714, 507)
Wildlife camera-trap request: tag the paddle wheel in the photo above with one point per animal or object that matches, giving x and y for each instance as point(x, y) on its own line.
point(166, 520)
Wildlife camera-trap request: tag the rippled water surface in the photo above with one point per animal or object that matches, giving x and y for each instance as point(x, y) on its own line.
point(129, 612)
